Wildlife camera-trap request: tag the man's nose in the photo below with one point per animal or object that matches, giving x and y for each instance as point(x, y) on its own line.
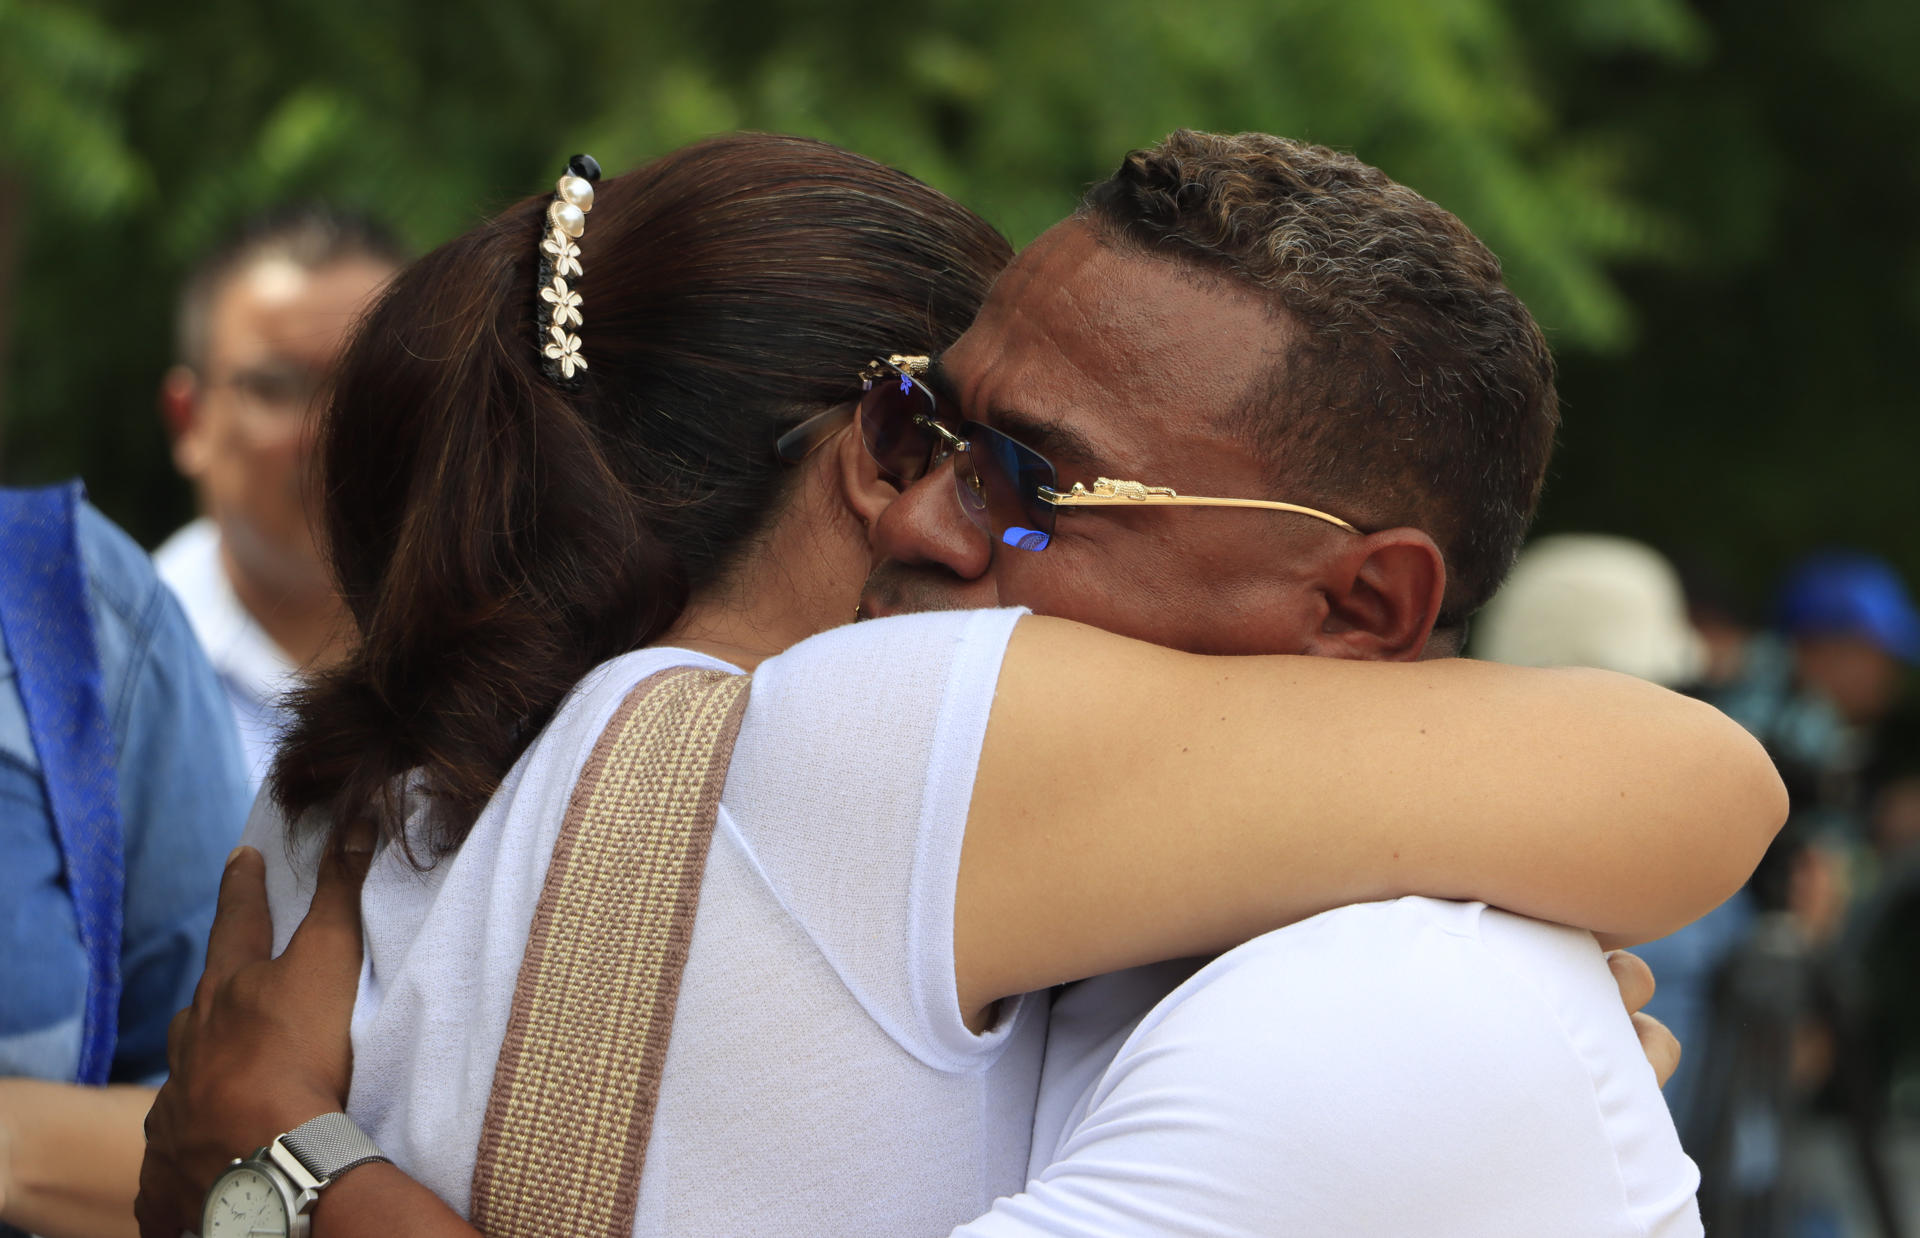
point(926, 525)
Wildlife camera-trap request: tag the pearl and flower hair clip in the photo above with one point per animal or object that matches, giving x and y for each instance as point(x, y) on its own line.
point(559, 305)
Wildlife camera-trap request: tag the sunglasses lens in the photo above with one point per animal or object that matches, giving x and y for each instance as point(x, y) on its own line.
point(896, 441)
point(999, 481)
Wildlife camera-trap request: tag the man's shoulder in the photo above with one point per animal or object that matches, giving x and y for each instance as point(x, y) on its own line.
point(1443, 1052)
point(1376, 1001)
point(1357, 927)
point(1400, 957)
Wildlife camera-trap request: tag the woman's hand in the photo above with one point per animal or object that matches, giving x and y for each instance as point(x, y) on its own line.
point(265, 1044)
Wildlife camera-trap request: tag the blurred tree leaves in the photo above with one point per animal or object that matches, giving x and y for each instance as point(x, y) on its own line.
point(1640, 165)
point(1014, 106)
point(63, 75)
point(1768, 406)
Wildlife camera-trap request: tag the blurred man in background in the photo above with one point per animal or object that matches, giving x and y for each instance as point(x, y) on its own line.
point(1854, 632)
point(1814, 690)
point(1792, 1040)
point(261, 322)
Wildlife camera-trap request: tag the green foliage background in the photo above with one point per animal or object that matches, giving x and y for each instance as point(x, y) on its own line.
point(1709, 205)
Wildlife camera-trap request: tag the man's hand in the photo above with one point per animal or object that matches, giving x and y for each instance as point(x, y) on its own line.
point(265, 1044)
point(1635, 979)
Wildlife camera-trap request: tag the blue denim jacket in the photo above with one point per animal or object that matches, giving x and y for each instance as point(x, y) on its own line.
point(183, 798)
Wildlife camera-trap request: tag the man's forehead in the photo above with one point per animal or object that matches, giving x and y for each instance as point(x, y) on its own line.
point(1119, 342)
point(277, 305)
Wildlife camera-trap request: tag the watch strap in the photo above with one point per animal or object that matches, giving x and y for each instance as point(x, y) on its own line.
point(330, 1145)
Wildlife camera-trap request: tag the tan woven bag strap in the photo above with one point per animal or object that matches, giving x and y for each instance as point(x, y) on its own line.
point(579, 1075)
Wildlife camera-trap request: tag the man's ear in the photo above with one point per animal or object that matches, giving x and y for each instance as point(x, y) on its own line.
point(1383, 595)
point(867, 494)
point(179, 412)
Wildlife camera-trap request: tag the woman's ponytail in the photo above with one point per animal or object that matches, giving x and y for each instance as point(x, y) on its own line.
point(488, 552)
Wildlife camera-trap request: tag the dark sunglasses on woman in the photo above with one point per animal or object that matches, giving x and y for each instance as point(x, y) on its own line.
point(1008, 489)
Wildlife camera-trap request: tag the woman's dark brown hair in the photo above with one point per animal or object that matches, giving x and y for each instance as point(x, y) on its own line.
point(496, 536)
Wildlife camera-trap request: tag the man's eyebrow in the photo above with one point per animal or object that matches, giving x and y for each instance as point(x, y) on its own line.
point(941, 382)
point(1046, 437)
point(1049, 438)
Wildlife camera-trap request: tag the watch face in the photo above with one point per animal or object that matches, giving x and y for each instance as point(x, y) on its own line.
point(243, 1202)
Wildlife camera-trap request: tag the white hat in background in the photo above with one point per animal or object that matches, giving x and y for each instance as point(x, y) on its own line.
point(1585, 599)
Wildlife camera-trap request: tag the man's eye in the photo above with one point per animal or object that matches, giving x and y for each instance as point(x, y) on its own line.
point(278, 390)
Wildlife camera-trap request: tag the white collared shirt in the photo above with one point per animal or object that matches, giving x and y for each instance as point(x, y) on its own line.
point(254, 671)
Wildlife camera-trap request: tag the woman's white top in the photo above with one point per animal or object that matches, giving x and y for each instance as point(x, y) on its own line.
point(820, 1080)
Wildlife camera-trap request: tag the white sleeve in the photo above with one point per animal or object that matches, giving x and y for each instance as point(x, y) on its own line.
point(291, 863)
point(1411, 1067)
point(849, 792)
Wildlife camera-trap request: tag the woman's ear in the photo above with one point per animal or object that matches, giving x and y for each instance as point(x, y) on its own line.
point(867, 494)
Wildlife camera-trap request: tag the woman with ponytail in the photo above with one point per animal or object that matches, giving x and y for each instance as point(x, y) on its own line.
point(522, 541)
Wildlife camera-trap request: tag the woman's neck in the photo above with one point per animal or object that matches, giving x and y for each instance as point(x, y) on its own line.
point(742, 638)
point(802, 578)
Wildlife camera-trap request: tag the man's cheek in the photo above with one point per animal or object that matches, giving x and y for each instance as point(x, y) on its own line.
point(1051, 582)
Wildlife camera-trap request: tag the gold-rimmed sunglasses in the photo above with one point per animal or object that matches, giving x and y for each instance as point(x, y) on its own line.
point(1006, 487)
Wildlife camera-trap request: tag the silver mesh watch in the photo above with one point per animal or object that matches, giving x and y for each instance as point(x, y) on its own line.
point(269, 1194)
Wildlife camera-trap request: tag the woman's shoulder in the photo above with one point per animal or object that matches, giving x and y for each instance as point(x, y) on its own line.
point(584, 714)
point(609, 683)
point(933, 638)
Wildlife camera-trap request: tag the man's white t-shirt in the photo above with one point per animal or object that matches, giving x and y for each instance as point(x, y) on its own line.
point(1399, 1068)
point(820, 1080)
point(254, 672)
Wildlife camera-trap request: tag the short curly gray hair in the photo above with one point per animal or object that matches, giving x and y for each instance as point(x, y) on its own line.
point(1419, 390)
point(310, 235)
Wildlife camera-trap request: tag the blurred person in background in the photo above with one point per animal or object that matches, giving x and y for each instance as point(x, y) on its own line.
point(1883, 931)
point(1892, 780)
point(121, 790)
point(1854, 632)
point(1720, 613)
point(1814, 689)
point(1800, 1011)
point(261, 322)
point(1586, 599)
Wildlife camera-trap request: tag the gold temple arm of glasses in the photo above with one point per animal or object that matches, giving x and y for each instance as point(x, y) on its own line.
point(1108, 492)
